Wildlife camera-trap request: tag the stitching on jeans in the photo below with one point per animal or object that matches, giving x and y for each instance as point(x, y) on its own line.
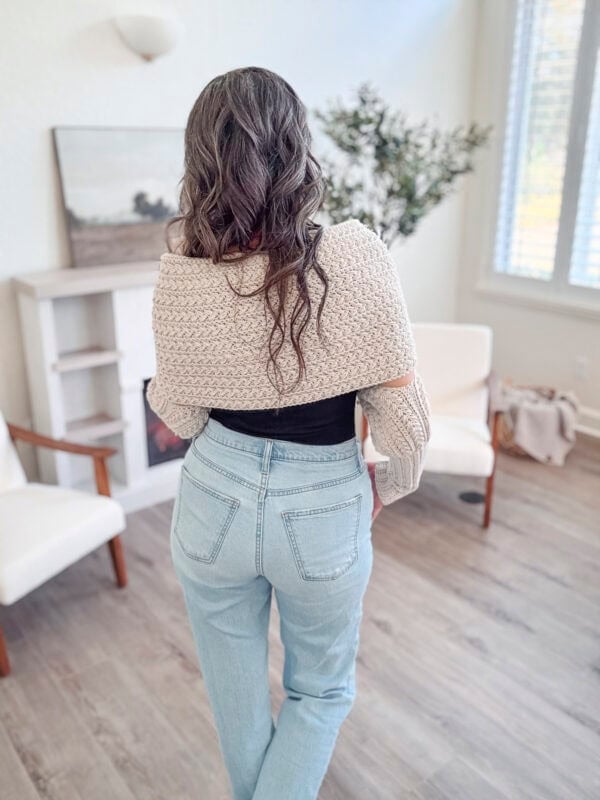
point(215, 493)
point(316, 460)
point(308, 512)
point(225, 472)
point(206, 433)
point(233, 504)
point(299, 513)
point(280, 492)
point(313, 487)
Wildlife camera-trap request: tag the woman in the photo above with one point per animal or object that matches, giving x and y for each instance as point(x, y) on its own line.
point(268, 329)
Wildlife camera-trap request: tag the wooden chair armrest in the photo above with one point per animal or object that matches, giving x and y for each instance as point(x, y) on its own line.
point(99, 454)
point(37, 439)
point(494, 428)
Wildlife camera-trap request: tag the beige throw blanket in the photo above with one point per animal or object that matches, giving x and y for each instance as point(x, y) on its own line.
point(543, 426)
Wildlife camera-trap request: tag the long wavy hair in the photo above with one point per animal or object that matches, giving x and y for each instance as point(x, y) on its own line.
point(251, 185)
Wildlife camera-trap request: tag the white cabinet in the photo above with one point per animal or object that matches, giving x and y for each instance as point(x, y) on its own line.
point(89, 348)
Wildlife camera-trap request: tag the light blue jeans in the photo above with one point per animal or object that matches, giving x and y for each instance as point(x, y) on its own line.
point(254, 515)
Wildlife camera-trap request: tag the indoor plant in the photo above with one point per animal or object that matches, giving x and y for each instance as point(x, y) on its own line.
point(387, 172)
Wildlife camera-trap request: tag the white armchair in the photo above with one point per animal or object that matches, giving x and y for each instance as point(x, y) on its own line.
point(44, 529)
point(454, 362)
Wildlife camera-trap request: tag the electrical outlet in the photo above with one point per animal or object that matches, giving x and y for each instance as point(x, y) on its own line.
point(581, 368)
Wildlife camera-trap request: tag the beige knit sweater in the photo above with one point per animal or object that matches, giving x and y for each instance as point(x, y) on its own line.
point(211, 347)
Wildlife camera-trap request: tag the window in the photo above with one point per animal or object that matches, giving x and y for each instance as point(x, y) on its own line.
point(548, 227)
point(585, 258)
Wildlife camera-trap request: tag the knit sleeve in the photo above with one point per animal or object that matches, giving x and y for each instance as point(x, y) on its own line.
point(184, 420)
point(399, 422)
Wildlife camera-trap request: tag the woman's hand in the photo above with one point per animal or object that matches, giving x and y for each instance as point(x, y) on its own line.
point(377, 504)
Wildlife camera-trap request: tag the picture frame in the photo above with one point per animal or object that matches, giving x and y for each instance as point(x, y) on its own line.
point(119, 189)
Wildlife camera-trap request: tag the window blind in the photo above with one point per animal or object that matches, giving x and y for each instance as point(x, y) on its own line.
point(536, 138)
point(585, 261)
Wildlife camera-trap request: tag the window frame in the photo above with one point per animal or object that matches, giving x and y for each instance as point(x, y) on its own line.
point(556, 293)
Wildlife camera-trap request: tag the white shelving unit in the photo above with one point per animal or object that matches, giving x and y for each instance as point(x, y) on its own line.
point(89, 348)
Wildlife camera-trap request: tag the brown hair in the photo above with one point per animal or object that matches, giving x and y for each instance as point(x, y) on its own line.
point(250, 176)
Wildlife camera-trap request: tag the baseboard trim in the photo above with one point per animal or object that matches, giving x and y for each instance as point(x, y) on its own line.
point(589, 421)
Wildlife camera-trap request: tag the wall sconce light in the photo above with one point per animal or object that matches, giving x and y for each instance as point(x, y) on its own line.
point(148, 36)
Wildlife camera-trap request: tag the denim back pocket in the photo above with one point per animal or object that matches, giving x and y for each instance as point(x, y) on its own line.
point(324, 540)
point(203, 518)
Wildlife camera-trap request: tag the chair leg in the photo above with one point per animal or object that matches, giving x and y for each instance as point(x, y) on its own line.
point(4, 662)
point(118, 559)
point(489, 484)
point(489, 492)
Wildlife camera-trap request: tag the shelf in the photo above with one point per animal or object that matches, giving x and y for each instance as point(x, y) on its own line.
point(95, 427)
point(84, 359)
point(89, 348)
point(79, 281)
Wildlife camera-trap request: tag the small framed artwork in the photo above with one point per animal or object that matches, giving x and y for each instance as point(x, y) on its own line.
point(163, 445)
point(119, 189)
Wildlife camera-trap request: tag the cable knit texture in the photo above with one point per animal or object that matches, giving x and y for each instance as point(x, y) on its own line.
point(185, 421)
point(212, 345)
point(399, 423)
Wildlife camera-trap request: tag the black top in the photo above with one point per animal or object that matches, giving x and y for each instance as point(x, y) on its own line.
point(328, 421)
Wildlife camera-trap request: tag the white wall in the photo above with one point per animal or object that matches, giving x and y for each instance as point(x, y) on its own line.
point(533, 345)
point(61, 63)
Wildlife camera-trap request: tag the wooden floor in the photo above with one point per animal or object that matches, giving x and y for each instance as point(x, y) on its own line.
point(479, 668)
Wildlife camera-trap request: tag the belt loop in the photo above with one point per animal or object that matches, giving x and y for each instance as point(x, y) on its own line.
point(266, 455)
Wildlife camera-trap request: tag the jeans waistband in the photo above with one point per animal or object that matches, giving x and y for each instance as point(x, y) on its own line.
point(279, 448)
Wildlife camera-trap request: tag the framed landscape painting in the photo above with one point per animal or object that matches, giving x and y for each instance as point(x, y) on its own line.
point(119, 189)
